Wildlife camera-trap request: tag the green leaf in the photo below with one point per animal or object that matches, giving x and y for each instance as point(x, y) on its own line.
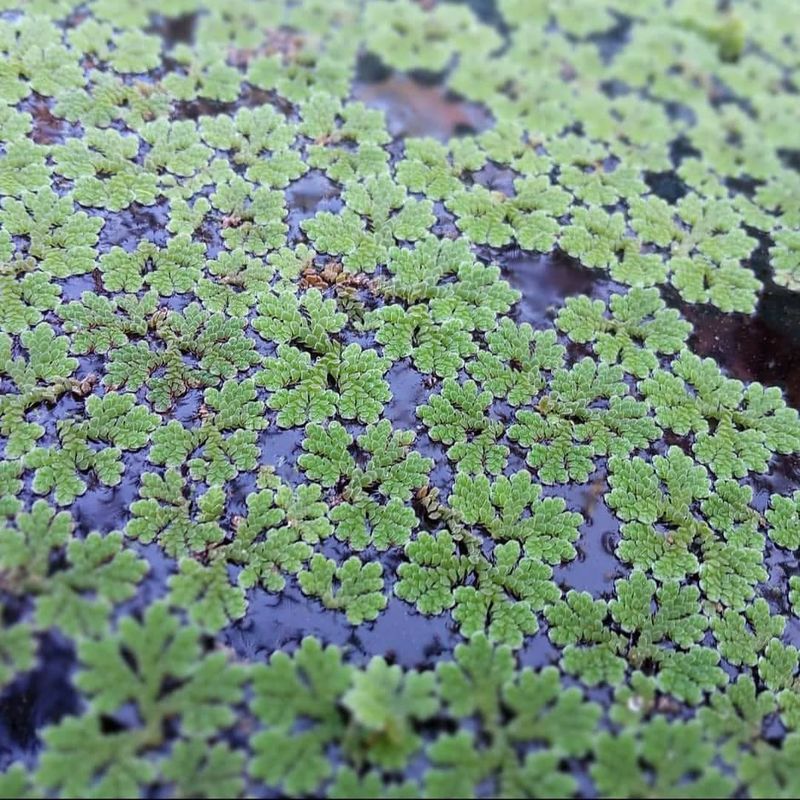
point(778, 665)
point(459, 408)
point(668, 759)
point(512, 508)
point(639, 330)
point(159, 648)
point(366, 522)
point(276, 535)
point(206, 594)
point(308, 321)
point(100, 573)
point(358, 587)
point(688, 675)
point(384, 702)
point(515, 366)
point(749, 423)
point(17, 651)
point(117, 419)
point(736, 717)
point(181, 524)
point(433, 569)
point(359, 378)
point(743, 636)
point(307, 686)
point(505, 598)
point(783, 516)
point(474, 681)
point(200, 771)
point(326, 457)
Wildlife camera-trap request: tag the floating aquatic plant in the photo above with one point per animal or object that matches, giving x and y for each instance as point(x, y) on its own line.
point(294, 483)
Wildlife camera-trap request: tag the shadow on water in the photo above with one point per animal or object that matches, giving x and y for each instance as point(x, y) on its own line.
point(135, 224)
point(36, 699)
point(280, 621)
point(408, 391)
point(418, 105)
point(764, 346)
point(307, 196)
point(46, 128)
point(596, 566)
point(545, 281)
point(280, 449)
point(106, 508)
point(176, 30)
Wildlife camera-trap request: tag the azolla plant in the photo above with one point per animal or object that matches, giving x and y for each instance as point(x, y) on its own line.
point(301, 495)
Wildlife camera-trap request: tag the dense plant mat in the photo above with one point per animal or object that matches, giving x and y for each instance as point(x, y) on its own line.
point(399, 399)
